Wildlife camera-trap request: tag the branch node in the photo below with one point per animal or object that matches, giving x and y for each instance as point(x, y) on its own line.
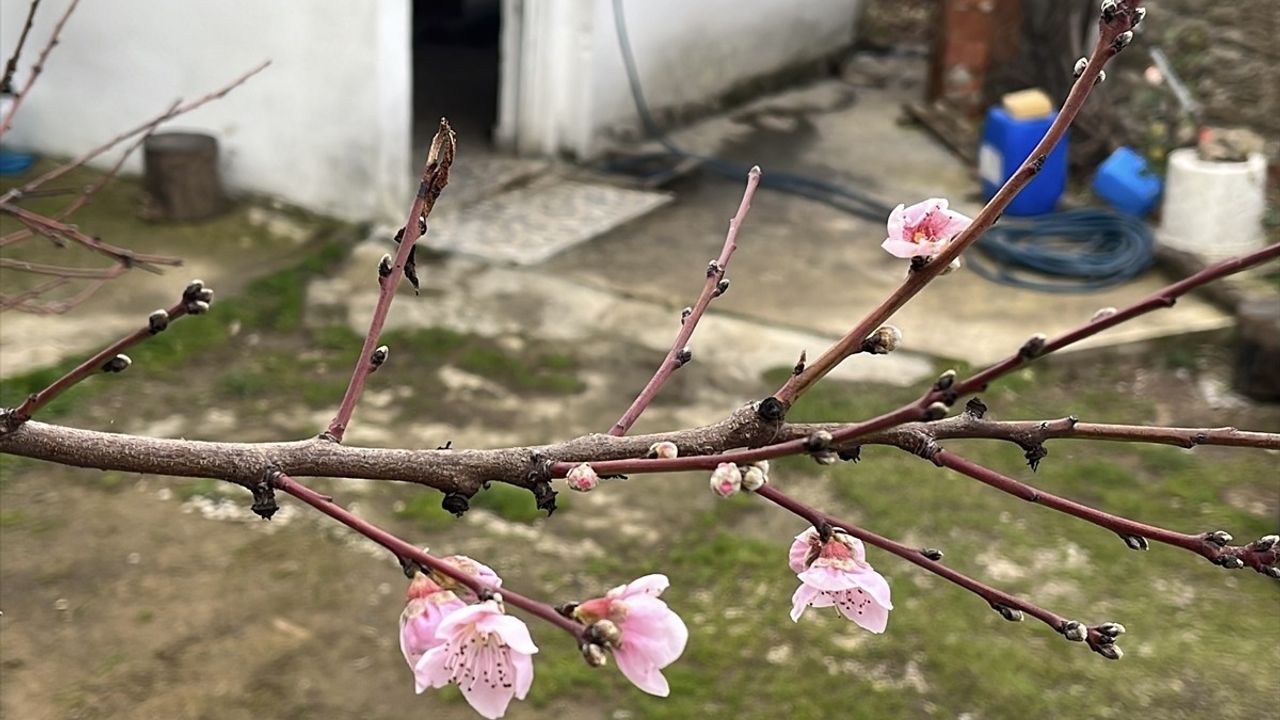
point(685, 313)
point(455, 503)
point(1034, 455)
point(722, 287)
point(117, 364)
point(975, 408)
point(933, 554)
point(684, 357)
point(264, 495)
point(158, 321)
point(1135, 542)
point(771, 409)
point(1008, 613)
point(1033, 347)
point(1221, 538)
point(714, 268)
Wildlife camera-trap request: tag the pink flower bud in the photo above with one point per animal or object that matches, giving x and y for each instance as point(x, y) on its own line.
point(726, 480)
point(665, 450)
point(582, 478)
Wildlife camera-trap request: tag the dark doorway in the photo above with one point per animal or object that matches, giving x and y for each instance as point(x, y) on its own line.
point(455, 69)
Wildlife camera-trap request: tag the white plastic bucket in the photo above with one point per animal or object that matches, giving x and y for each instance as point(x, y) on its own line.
point(1213, 209)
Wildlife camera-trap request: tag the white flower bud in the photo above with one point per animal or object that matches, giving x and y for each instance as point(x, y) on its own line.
point(665, 450)
point(582, 478)
point(726, 480)
point(754, 478)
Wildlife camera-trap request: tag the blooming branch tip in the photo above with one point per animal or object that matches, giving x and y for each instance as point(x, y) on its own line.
point(923, 230)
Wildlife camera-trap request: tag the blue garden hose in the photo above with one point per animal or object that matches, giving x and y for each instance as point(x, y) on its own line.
point(1079, 250)
point(1083, 250)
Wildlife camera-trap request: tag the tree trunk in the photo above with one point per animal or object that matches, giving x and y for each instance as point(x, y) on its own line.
point(181, 177)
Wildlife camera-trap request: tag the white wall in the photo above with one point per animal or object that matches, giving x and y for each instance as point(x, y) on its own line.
point(326, 126)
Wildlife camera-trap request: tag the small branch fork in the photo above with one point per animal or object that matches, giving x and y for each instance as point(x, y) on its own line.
point(10, 67)
point(1113, 27)
point(715, 286)
point(435, 175)
point(408, 553)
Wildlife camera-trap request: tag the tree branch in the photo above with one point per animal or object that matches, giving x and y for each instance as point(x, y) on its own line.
point(1106, 48)
point(1213, 546)
point(435, 175)
point(714, 287)
point(36, 69)
point(10, 67)
point(1009, 606)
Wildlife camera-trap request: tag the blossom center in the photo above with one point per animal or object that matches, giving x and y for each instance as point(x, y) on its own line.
point(480, 657)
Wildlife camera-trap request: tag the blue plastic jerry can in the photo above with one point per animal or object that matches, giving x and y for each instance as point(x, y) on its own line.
point(1006, 143)
point(1126, 182)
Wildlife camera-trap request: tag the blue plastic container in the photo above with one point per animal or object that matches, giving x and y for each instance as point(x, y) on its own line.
point(1006, 143)
point(1126, 182)
point(15, 163)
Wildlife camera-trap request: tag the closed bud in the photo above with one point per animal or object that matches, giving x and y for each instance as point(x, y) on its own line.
point(117, 364)
point(935, 411)
point(1102, 314)
point(1074, 631)
point(1274, 571)
point(379, 356)
point(1109, 8)
point(1111, 629)
point(819, 440)
point(1008, 613)
point(205, 295)
point(1102, 77)
point(197, 307)
point(1033, 347)
point(582, 478)
point(158, 321)
point(1123, 39)
point(665, 450)
point(1220, 538)
point(713, 268)
point(1230, 562)
point(685, 313)
point(606, 631)
point(594, 655)
point(684, 357)
point(726, 480)
point(384, 266)
point(826, 457)
point(1110, 651)
point(192, 288)
point(754, 478)
point(1266, 542)
point(945, 380)
point(722, 287)
point(1139, 14)
point(1135, 542)
point(883, 341)
point(422, 225)
point(933, 554)
point(1080, 67)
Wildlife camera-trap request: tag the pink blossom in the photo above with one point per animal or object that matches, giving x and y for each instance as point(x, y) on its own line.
point(924, 229)
point(487, 653)
point(582, 478)
point(426, 605)
point(726, 479)
point(653, 636)
point(477, 570)
point(836, 573)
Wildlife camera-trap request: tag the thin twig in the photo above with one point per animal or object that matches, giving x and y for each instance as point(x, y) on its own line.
point(676, 357)
point(406, 551)
point(95, 364)
point(10, 67)
point(1201, 544)
point(435, 175)
point(36, 69)
point(147, 126)
point(916, 281)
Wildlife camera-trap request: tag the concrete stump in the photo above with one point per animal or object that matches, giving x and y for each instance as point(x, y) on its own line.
point(180, 177)
point(1257, 368)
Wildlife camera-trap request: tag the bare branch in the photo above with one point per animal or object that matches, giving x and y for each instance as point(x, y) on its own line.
point(36, 69)
point(1213, 546)
point(851, 343)
point(407, 552)
point(195, 300)
point(10, 67)
point(714, 286)
point(435, 176)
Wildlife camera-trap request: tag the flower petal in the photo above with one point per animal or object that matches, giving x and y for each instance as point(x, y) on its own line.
point(490, 701)
point(647, 585)
point(905, 249)
point(653, 630)
point(861, 608)
point(642, 673)
point(513, 631)
point(801, 599)
point(799, 551)
point(875, 585)
point(458, 620)
point(825, 577)
point(897, 224)
point(523, 666)
point(430, 671)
